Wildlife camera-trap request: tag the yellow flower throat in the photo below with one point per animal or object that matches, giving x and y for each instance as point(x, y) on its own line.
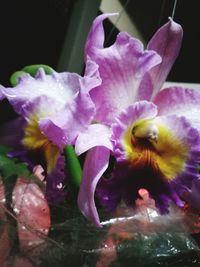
point(150, 144)
point(35, 139)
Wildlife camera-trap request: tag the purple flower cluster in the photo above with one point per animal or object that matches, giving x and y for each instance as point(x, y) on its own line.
point(120, 109)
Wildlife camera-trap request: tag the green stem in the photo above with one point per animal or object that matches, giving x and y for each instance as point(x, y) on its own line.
point(73, 165)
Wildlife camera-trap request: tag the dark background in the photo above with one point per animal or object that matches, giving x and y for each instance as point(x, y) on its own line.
point(32, 32)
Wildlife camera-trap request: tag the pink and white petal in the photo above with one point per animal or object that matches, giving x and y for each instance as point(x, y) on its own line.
point(61, 87)
point(64, 127)
point(166, 42)
point(40, 107)
point(180, 101)
point(122, 67)
point(137, 111)
point(95, 135)
point(96, 163)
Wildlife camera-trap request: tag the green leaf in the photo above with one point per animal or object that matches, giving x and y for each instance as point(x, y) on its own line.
point(10, 167)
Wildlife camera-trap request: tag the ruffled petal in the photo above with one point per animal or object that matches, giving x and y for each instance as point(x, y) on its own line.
point(189, 139)
point(166, 42)
point(63, 128)
point(60, 87)
point(122, 67)
point(180, 101)
point(95, 135)
point(96, 163)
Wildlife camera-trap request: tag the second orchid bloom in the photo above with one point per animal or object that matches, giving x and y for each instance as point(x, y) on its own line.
point(153, 134)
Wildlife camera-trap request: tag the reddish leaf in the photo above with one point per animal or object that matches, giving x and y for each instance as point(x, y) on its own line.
point(32, 212)
point(5, 242)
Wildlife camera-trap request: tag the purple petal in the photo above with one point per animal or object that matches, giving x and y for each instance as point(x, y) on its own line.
point(139, 110)
point(95, 135)
point(180, 101)
point(188, 137)
point(177, 155)
point(96, 163)
point(122, 67)
point(166, 42)
point(74, 118)
point(60, 87)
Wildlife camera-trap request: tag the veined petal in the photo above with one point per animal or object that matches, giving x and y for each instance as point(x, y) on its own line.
point(96, 163)
point(63, 128)
point(166, 42)
point(59, 86)
point(180, 101)
point(95, 135)
point(122, 67)
point(92, 78)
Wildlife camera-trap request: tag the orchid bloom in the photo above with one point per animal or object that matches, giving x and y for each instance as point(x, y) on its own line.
point(152, 133)
point(56, 108)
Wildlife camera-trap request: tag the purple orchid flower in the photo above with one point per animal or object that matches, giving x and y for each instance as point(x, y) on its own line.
point(152, 133)
point(55, 109)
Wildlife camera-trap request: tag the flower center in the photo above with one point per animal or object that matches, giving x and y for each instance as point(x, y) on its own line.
point(151, 145)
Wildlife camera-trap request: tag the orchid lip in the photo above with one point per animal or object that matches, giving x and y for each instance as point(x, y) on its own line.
point(148, 131)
